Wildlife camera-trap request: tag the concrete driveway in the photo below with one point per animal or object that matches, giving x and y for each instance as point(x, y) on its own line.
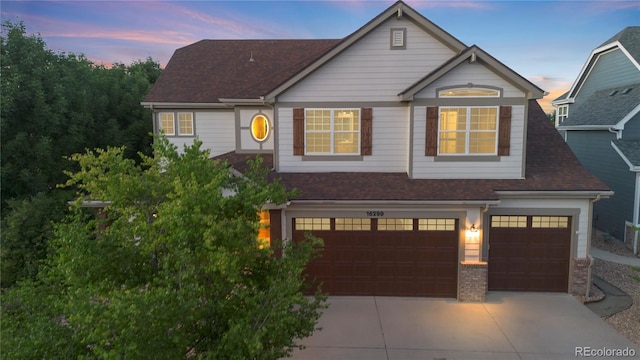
point(508, 325)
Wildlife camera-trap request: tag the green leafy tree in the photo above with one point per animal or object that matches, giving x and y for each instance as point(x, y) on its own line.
point(54, 105)
point(170, 269)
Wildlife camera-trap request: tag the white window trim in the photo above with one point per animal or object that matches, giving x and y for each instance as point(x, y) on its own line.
point(468, 131)
point(442, 91)
point(192, 123)
point(160, 121)
point(564, 116)
point(333, 132)
point(176, 123)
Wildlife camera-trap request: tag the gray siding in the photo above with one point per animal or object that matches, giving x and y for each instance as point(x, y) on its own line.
point(594, 150)
point(611, 69)
point(632, 128)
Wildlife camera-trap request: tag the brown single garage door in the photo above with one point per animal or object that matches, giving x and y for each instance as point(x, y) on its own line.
point(393, 257)
point(529, 253)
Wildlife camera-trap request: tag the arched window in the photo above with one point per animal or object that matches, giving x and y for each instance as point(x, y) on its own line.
point(469, 92)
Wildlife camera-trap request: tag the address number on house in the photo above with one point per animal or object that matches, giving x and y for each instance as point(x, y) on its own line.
point(375, 213)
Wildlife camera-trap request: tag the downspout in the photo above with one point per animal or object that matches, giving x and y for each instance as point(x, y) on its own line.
point(618, 133)
point(636, 213)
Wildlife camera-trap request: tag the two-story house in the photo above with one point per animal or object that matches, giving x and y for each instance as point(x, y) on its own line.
point(599, 118)
point(425, 165)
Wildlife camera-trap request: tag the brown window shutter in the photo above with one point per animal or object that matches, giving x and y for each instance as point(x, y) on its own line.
point(366, 131)
point(431, 145)
point(298, 131)
point(504, 131)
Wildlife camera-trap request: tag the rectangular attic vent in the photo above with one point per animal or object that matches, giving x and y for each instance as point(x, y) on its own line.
point(398, 39)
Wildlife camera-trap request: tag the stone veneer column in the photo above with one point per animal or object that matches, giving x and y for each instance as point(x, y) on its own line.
point(473, 281)
point(580, 276)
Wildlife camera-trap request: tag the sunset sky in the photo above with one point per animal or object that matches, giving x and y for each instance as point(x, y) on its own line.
point(547, 42)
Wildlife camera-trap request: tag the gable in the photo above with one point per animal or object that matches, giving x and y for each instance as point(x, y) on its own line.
point(610, 69)
point(623, 49)
point(471, 73)
point(370, 70)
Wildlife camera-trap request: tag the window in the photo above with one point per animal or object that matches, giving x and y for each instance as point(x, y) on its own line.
point(436, 224)
point(509, 221)
point(167, 123)
point(353, 224)
point(313, 224)
point(332, 131)
point(260, 128)
point(468, 130)
point(184, 123)
point(550, 222)
point(563, 113)
point(395, 224)
point(469, 92)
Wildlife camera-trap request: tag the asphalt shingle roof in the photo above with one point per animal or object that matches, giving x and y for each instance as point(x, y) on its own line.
point(209, 70)
point(629, 37)
point(630, 149)
point(605, 107)
point(550, 166)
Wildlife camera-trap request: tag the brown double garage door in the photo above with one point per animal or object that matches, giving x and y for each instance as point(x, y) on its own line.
point(391, 257)
point(529, 253)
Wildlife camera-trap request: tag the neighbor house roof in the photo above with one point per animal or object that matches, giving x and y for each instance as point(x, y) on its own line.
point(210, 70)
point(629, 150)
point(629, 38)
point(608, 108)
point(546, 171)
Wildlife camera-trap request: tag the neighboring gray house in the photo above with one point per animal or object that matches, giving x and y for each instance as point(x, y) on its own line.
point(600, 120)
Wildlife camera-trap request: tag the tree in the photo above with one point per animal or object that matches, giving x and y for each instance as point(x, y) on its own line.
point(54, 105)
point(171, 269)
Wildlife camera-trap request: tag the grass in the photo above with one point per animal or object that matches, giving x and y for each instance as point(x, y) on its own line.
point(637, 270)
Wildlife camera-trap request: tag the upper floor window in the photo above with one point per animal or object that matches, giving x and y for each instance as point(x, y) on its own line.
point(185, 123)
point(468, 130)
point(260, 128)
point(563, 113)
point(167, 121)
point(332, 131)
point(469, 92)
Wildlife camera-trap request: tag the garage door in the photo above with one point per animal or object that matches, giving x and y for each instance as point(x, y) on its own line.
point(529, 253)
point(393, 257)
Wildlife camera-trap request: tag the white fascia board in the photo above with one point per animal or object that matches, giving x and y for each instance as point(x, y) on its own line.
point(170, 105)
point(232, 102)
point(563, 101)
point(395, 202)
point(620, 125)
point(586, 127)
point(555, 194)
point(626, 160)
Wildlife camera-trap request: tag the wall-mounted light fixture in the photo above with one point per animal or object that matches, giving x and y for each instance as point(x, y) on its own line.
point(473, 235)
